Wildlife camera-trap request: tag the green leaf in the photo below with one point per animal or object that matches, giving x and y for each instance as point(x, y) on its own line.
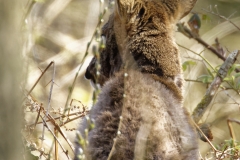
point(187, 64)
point(233, 78)
point(233, 68)
point(229, 142)
point(230, 79)
point(205, 78)
point(237, 147)
point(237, 75)
point(227, 79)
point(205, 17)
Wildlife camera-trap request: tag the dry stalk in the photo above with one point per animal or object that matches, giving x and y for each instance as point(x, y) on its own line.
point(65, 151)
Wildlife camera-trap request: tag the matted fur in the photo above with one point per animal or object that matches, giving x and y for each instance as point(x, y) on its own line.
point(139, 113)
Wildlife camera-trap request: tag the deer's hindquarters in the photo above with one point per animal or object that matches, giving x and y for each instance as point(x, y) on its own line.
point(153, 124)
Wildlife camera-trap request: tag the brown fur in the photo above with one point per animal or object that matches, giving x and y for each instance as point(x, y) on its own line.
point(110, 59)
point(146, 89)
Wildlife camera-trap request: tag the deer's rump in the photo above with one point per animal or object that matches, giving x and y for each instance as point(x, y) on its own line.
point(137, 117)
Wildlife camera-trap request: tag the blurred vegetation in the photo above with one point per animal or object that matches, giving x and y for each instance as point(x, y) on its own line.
point(60, 30)
point(11, 71)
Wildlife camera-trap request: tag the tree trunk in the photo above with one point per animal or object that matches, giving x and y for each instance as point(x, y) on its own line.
point(10, 79)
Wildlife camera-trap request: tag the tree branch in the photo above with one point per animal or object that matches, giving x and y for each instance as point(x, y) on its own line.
point(222, 72)
point(187, 32)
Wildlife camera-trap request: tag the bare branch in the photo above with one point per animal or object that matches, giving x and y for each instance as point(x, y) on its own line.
point(187, 32)
point(217, 14)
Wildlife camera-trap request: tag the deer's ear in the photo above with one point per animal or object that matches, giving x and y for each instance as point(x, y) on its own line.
point(124, 7)
point(185, 7)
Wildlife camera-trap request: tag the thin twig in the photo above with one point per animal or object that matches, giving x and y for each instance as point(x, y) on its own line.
point(193, 80)
point(217, 14)
point(73, 119)
point(184, 30)
point(198, 54)
point(69, 120)
point(229, 121)
point(39, 78)
point(39, 111)
point(234, 120)
point(222, 72)
point(210, 143)
point(56, 144)
point(223, 152)
point(65, 151)
point(59, 129)
point(49, 98)
point(235, 102)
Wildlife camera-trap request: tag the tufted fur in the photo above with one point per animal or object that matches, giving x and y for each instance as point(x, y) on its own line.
point(140, 105)
point(110, 59)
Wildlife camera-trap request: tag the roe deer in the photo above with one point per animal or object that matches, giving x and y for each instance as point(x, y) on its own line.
point(139, 113)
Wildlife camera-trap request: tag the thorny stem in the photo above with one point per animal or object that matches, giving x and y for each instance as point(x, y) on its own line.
point(49, 98)
point(40, 77)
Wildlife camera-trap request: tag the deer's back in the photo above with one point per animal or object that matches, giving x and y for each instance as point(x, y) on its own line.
point(146, 120)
